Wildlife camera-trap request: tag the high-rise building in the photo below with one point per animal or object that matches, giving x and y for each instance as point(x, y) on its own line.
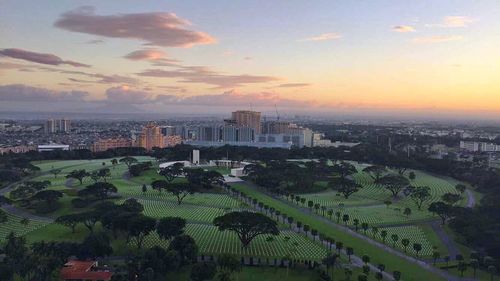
point(50, 126)
point(150, 137)
point(54, 126)
point(247, 118)
point(64, 125)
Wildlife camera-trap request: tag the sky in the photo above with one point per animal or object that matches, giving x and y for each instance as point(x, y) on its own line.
point(433, 58)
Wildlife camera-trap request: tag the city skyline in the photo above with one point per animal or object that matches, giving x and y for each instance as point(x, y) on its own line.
point(396, 58)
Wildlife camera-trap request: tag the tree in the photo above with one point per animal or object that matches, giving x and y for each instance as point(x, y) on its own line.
point(170, 227)
point(375, 171)
point(158, 185)
point(462, 267)
point(227, 266)
point(139, 227)
point(16, 250)
point(144, 188)
point(70, 221)
point(441, 209)
point(49, 196)
point(417, 247)
point(474, 263)
point(114, 162)
point(186, 248)
point(181, 190)
point(346, 187)
point(247, 225)
point(55, 172)
point(78, 175)
point(330, 260)
point(365, 227)
point(95, 245)
point(405, 242)
point(349, 251)
point(451, 198)
point(172, 172)
point(89, 219)
point(395, 239)
point(99, 190)
point(394, 183)
point(365, 259)
point(492, 270)
point(203, 271)
point(104, 174)
point(407, 212)
point(355, 222)
point(374, 231)
point(412, 176)
point(130, 205)
point(396, 275)
point(387, 203)
point(435, 256)
point(383, 234)
point(128, 161)
point(345, 218)
point(3, 217)
point(460, 188)
point(419, 195)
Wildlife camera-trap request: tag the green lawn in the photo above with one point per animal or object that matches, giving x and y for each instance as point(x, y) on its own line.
point(392, 262)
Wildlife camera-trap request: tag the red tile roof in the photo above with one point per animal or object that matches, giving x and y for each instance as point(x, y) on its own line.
point(84, 270)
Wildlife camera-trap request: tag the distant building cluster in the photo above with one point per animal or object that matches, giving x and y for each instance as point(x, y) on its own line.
point(53, 126)
point(474, 146)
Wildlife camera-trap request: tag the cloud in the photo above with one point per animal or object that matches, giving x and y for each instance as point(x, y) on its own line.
point(146, 54)
point(95, 41)
point(234, 98)
point(42, 58)
point(457, 21)
point(403, 28)
point(156, 28)
point(323, 37)
point(436, 39)
point(201, 74)
point(19, 92)
point(454, 22)
point(126, 95)
point(293, 85)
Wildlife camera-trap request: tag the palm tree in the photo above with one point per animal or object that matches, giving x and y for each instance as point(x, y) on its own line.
point(364, 226)
point(355, 222)
point(349, 252)
point(345, 218)
point(330, 261)
point(395, 239)
point(405, 243)
point(417, 247)
point(374, 231)
point(383, 234)
point(330, 213)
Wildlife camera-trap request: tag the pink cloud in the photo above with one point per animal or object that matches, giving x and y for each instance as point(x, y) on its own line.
point(42, 58)
point(200, 74)
point(156, 28)
point(437, 39)
point(323, 37)
point(403, 28)
point(146, 54)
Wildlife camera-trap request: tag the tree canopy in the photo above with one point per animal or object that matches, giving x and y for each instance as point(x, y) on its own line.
point(247, 225)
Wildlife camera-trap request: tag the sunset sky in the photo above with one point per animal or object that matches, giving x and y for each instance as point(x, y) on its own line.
point(438, 57)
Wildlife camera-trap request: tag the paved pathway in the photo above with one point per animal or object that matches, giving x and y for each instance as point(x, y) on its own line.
point(471, 199)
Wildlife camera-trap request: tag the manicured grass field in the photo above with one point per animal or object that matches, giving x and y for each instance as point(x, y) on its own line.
point(392, 262)
point(14, 224)
point(190, 212)
point(211, 241)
